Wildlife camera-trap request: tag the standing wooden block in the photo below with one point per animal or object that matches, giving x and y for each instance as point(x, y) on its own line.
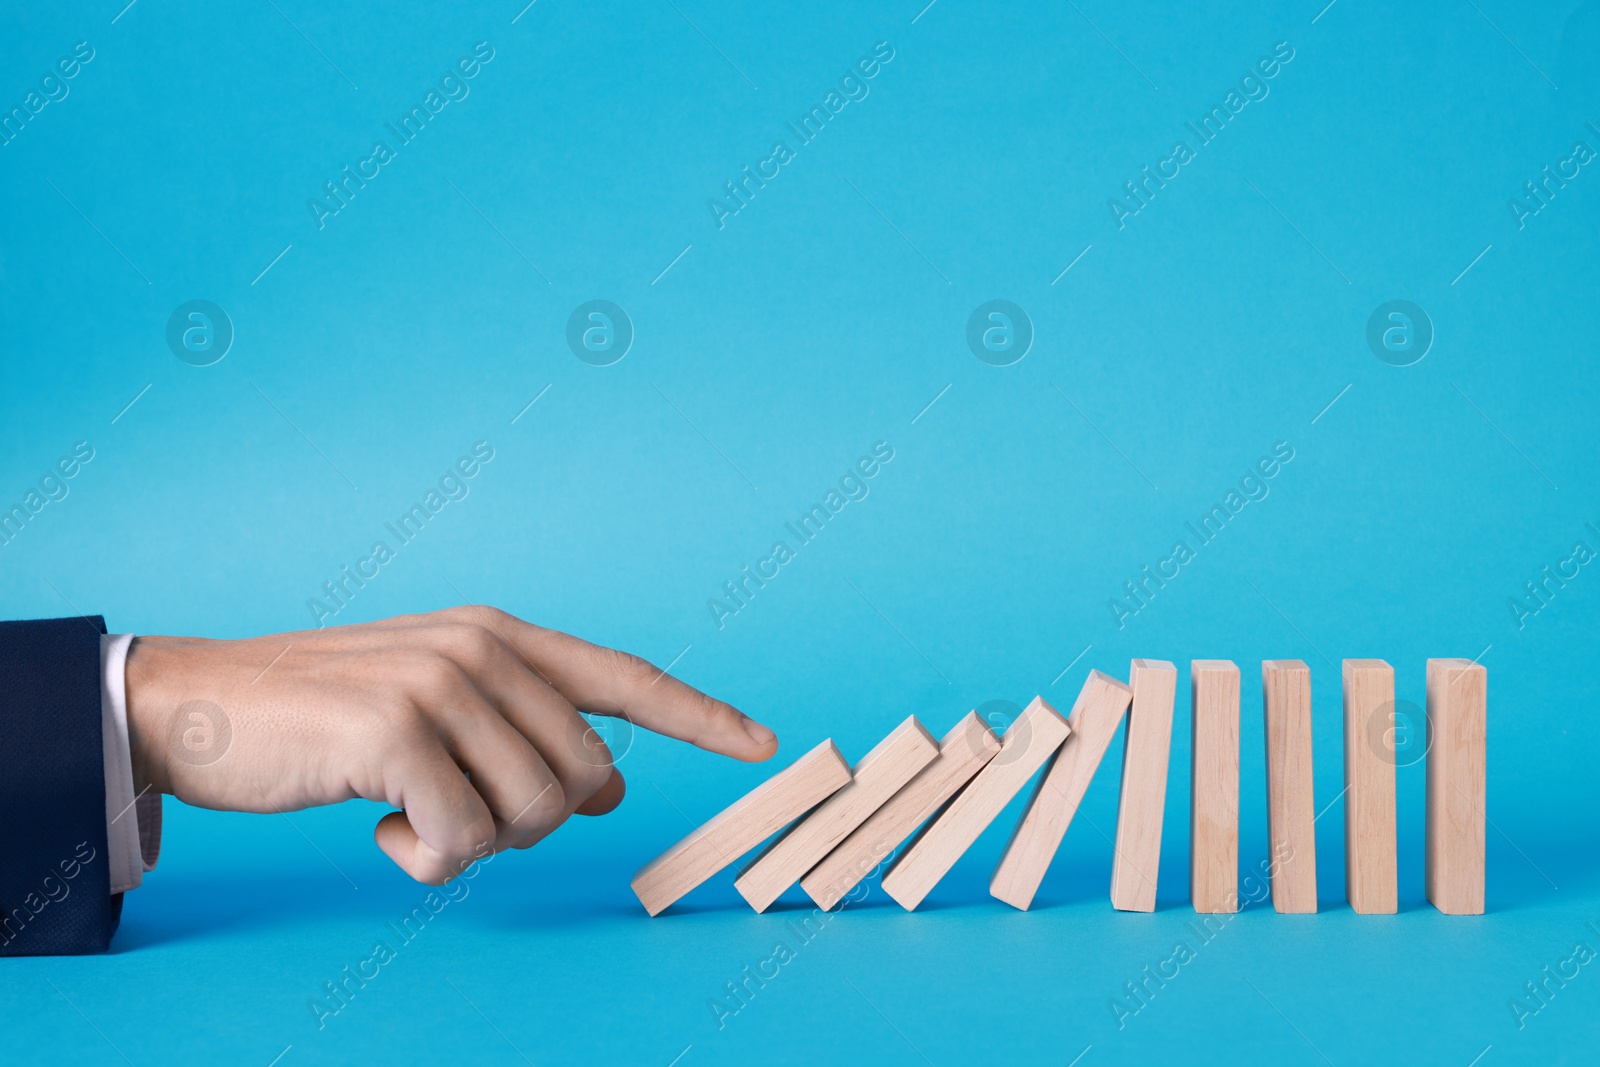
point(1291, 801)
point(1143, 799)
point(753, 818)
point(880, 774)
point(1094, 721)
point(1031, 739)
point(1457, 768)
point(1214, 779)
point(962, 754)
point(1369, 828)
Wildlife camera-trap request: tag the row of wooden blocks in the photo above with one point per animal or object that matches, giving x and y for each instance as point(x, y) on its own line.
point(843, 823)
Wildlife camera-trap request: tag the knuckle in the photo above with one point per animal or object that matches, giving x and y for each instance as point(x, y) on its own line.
point(547, 811)
point(444, 864)
point(433, 675)
point(706, 709)
point(466, 840)
point(627, 666)
point(432, 871)
point(704, 717)
point(477, 614)
point(470, 645)
point(588, 779)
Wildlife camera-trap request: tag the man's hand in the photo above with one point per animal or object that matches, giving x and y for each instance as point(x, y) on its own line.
point(466, 720)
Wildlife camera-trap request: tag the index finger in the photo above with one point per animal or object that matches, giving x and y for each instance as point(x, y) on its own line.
point(608, 682)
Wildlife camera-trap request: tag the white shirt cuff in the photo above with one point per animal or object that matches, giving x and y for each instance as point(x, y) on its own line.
point(133, 824)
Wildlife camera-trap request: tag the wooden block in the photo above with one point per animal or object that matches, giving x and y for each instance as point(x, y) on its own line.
point(753, 818)
point(962, 754)
point(1369, 828)
point(1094, 720)
point(1457, 768)
point(880, 774)
point(1291, 801)
point(1031, 740)
point(1143, 800)
point(1214, 779)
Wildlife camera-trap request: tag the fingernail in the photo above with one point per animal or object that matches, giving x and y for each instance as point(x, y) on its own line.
point(760, 734)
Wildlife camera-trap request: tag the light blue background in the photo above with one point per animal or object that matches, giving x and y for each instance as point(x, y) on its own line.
point(1223, 318)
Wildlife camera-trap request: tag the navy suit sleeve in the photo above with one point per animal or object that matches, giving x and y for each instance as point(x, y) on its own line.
point(55, 888)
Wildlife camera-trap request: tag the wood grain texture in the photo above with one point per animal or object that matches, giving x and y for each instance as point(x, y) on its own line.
point(962, 753)
point(892, 763)
point(742, 826)
point(1143, 800)
point(1369, 823)
point(1094, 720)
point(1458, 691)
point(1031, 740)
point(1214, 780)
point(1291, 800)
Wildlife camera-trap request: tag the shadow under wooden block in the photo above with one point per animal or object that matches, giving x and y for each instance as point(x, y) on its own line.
point(1094, 720)
point(1370, 852)
point(1291, 800)
point(1214, 781)
point(892, 763)
point(1031, 740)
point(740, 827)
point(1458, 691)
point(962, 753)
point(1136, 860)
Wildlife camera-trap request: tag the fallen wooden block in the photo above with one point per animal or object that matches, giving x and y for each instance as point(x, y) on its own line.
point(1031, 739)
point(962, 753)
point(1369, 824)
point(1457, 767)
point(880, 774)
point(1291, 803)
point(1136, 860)
point(749, 821)
point(1094, 720)
point(1214, 781)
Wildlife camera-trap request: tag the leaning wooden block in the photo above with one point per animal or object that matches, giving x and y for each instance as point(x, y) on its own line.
point(1291, 803)
point(1214, 780)
point(1457, 728)
point(1031, 740)
point(753, 818)
point(1143, 800)
point(1370, 879)
point(879, 775)
point(962, 753)
point(1094, 721)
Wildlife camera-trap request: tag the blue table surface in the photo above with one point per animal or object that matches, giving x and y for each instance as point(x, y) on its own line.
point(1179, 316)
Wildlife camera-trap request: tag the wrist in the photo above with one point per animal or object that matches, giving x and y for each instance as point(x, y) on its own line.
point(147, 715)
